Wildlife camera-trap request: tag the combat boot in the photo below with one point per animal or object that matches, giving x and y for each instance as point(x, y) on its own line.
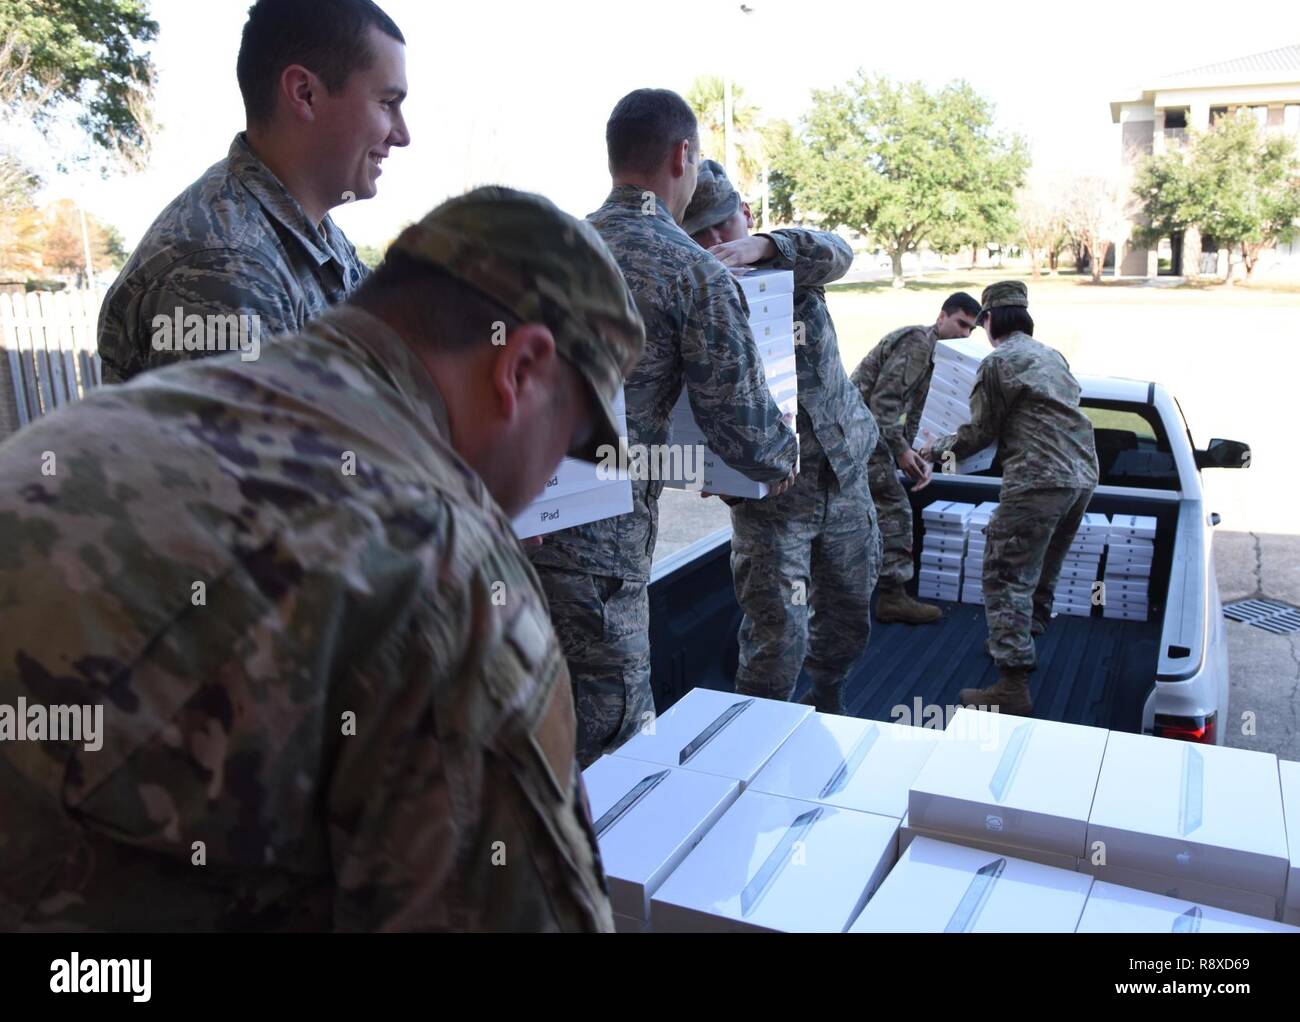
point(825, 701)
point(895, 605)
point(1009, 695)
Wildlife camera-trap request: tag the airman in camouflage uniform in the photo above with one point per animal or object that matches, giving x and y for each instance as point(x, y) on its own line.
point(234, 242)
point(1026, 399)
point(331, 695)
point(816, 545)
point(249, 250)
point(697, 336)
point(894, 381)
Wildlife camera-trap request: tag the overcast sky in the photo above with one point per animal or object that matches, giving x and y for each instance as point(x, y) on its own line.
point(517, 93)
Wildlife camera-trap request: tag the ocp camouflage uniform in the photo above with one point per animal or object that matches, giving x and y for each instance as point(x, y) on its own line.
point(234, 242)
point(1026, 399)
point(697, 336)
point(331, 694)
point(816, 545)
point(894, 380)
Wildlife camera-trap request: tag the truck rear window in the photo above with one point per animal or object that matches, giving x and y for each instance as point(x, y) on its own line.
point(1132, 448)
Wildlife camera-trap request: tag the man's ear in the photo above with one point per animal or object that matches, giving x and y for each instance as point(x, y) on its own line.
point(524, 370)
point(681, 157)
point(298, 90)
point(749, 216)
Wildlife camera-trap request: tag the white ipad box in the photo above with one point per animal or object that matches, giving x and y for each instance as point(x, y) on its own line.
point(1193, 812)
point(647, 817)
point(717, 732)
point(938, 887)
point(1019, 781)
point(778, 864)
point(1114, 909)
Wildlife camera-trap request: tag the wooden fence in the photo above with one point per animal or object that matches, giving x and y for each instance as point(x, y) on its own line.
point(47, 353)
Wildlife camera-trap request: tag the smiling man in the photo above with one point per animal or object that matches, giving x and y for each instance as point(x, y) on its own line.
point(249, 249)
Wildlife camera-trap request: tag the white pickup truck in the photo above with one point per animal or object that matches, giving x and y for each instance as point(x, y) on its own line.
point(1165, 676)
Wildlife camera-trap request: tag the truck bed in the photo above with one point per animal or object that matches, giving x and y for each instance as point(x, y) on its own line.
point(1094, 670)
point(1090, 670)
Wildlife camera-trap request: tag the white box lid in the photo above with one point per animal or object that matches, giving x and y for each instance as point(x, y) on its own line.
point(717, 733)
point(647, 817)
point(769, 306)
point(550, 514)
point(939, 887)
point(781, 864)
point(1142, 526)
point(858, 764)
point(1115, 909)
point(967, 351)
point(1021, 781)
point(1201, 812)
point(761, 283)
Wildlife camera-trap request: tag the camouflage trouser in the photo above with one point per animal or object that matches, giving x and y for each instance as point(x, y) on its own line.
point(894, 514)
point(1026, 542)
point(604, 628)
point(815, 545)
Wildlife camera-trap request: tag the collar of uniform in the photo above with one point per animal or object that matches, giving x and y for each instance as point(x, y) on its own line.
point(280, 205)
point(378, 345)
point(633, 197)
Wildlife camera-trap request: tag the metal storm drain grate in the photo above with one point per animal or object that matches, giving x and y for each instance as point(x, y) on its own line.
point(1271, 615)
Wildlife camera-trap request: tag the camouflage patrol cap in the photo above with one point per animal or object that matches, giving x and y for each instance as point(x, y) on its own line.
point(1004, 292)
point(714, 200)
point(544, 266)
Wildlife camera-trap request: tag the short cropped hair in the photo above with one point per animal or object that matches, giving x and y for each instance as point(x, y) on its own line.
point(644, 127)
point(960, 301)
point(328, 37)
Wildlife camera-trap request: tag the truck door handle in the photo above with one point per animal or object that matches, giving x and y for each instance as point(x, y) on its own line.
point(1214, 518)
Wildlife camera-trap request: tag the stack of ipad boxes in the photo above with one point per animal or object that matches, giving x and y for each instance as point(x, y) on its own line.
point(947, 405)
point(943, 547)
point(770, 295)
point(733, 813)
point(972, 583)
point(1201, 823)
point(1082, 567)
point(580, 492)
point(1130, 549)
point(996, 825)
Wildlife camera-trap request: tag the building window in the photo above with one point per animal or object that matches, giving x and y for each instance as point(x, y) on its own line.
point(1217, 112)
point(1291, 119)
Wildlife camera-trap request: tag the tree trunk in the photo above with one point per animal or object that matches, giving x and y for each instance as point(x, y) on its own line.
point(974, 255)
point(1034, 261)
point(1097, 261)
point(1248, 259)
point(896, 258)
point(1053, 257)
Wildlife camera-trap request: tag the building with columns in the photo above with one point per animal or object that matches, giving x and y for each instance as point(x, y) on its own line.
point(1160, 114)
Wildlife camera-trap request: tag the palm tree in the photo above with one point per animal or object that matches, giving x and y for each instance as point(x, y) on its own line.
point(706, 98)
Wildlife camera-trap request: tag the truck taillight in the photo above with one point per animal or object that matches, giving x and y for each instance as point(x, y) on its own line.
point(1186, 729)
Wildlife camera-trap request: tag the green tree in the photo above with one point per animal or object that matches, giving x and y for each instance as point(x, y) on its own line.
point(1233, 183)
point(1162, 190)
point(909, 166)
point(1245, 188)
point(83, 54)
point(784, 156)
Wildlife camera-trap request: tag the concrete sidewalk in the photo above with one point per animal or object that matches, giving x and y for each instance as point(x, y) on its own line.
point(1264, 668)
